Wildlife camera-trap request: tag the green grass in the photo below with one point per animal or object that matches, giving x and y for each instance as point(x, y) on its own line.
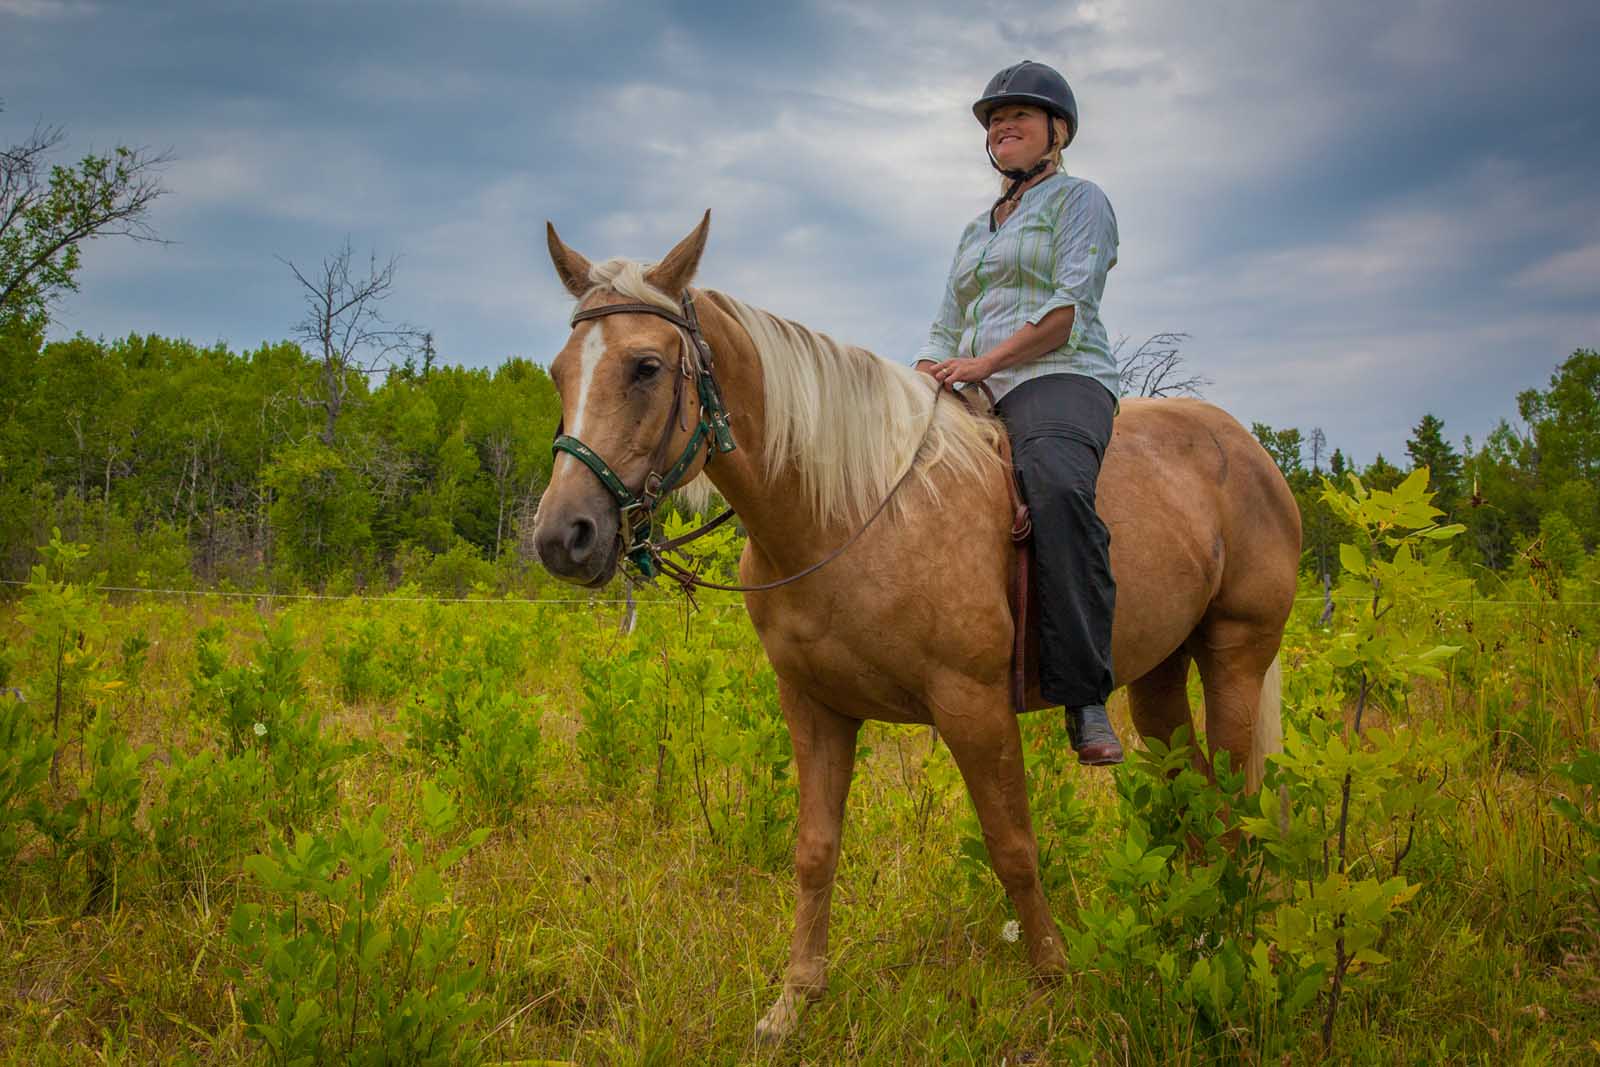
point(611, 928)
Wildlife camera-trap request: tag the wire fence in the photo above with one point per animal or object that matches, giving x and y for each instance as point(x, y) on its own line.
point(387, 598)
point(582, 602)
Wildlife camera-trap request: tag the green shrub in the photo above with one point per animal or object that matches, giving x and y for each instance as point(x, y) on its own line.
point(25, 750)
point(262, 707)
point(359, 655)
point(496, 762)
point(211, 813)
point(340, 965)
point(109, 792)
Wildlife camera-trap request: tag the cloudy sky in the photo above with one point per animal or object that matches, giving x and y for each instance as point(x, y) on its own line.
point(1361, 211)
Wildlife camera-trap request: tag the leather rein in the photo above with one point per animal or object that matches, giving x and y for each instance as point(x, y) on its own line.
point(712, 433)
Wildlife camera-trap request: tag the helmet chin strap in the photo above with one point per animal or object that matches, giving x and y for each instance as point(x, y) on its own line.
point(1019, 178)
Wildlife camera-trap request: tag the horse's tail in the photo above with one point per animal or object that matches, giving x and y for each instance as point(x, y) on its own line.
point(1268, 734)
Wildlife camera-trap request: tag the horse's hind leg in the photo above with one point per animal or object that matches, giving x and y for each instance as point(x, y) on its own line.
point(981, 730)
point(1233, 658)
point(824, 758)
point(1159, 701)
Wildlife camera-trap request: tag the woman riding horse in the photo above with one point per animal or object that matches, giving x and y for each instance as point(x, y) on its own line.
point(896, 621)
point(1021, 313)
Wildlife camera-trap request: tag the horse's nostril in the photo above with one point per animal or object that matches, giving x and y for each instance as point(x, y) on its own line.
point(580, 539)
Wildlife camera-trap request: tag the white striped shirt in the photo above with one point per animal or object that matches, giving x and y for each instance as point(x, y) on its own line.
point(1054, 251)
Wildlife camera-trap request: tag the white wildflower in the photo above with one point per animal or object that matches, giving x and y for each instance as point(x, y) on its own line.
point(261, 729)
point(1011, 931)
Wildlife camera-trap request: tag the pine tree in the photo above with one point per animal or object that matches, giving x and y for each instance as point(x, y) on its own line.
point(1428, 448)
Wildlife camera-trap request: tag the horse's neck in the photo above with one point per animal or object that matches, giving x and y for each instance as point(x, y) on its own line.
point(770, 508)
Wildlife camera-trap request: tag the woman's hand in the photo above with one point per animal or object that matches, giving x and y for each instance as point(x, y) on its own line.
point(954, 371)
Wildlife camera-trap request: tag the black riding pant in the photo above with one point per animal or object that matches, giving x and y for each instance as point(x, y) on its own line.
point(1060, 425)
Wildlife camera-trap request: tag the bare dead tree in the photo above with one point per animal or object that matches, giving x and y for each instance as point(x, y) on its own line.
point(345, 330)
point(1319, 446)
point(1156, 368)
point(47, 212)
point(501, 450)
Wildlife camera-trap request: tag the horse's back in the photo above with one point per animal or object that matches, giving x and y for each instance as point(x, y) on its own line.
point(1201, 522)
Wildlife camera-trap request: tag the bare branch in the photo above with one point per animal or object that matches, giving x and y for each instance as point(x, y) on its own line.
point(1156, 368)
point(344, 327)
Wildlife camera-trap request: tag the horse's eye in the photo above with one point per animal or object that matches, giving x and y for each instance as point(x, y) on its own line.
point(646, 369)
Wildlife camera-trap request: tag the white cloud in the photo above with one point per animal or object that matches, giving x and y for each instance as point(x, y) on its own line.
point(324, 177)
point(46, 9)
point(1574, 272)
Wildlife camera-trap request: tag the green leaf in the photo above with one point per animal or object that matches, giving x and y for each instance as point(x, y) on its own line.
point(1351, 559)
point(1304, 992)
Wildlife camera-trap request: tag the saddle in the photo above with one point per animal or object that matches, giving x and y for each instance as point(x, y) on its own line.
point(1025, 622)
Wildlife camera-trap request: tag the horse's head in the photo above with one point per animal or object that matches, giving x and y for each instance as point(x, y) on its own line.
point(628, 396)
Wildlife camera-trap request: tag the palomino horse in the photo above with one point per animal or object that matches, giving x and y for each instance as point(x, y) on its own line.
point(912, 624)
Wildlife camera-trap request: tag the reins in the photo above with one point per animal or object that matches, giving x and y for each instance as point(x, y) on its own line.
point(712, 432)
point(687, 578)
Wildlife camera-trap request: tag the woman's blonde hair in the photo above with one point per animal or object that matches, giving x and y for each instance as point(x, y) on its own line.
point(1054, 155)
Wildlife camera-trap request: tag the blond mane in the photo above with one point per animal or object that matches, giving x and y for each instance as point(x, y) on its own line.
point(844, 419)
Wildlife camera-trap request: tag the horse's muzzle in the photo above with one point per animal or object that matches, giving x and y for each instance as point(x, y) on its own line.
point(578, 547)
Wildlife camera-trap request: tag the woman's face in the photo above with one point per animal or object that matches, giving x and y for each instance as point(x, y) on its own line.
point(1018, 135)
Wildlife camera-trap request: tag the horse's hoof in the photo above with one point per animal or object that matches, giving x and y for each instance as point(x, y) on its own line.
point(1049, 962)
point(779, 1021)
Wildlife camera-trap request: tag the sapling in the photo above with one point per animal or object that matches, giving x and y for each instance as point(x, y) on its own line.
point(1399, 554)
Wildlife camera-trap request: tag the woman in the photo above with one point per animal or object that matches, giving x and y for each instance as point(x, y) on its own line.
point(1021, 313)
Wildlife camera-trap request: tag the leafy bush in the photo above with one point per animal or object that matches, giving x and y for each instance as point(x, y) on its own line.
point(211, 813)
point(338, 964)
point(361, 663)
point(496, 762)
point(1581, 808)
point(261, 707)
point(25, 751)
point(615, 732)
point(109, 793)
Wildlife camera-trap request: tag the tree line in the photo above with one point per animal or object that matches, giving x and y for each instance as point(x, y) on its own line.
point(198, 463)
point(1526, 493)
point(178, 460)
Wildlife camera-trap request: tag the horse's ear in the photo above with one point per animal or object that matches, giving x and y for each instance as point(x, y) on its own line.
point(673, 274)
point(571, 267)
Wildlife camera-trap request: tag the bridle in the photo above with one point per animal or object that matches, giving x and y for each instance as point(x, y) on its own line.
point(711, 432)
point(638, 508)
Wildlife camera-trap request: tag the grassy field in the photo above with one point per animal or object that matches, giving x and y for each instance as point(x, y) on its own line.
point(508, 832)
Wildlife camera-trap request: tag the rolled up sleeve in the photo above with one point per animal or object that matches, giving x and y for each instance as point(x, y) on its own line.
point(1084, 248)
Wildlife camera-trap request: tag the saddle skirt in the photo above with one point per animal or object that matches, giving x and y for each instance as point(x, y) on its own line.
point(1024, 616)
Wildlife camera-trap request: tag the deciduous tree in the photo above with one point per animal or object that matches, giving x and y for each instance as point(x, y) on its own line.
point(47, 212)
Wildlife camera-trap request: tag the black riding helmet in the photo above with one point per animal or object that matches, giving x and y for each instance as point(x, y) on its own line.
point(1030, 83)
point(1038, 86)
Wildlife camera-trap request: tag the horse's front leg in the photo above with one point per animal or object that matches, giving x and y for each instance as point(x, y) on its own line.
point(981, 729)
point(824, 758)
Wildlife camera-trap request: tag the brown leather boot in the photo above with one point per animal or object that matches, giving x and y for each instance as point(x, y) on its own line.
point(1092, 736)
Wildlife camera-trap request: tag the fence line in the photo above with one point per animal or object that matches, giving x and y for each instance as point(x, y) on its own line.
point(243, 595)
point(623, 602)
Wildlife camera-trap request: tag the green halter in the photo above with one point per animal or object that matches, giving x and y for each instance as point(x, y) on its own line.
point(638, 508)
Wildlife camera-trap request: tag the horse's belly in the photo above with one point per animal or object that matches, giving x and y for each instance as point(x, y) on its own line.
point(870, 644)
point(837, 672)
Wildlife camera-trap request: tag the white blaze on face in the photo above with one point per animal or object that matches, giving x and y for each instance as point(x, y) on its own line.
point(594, 349)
